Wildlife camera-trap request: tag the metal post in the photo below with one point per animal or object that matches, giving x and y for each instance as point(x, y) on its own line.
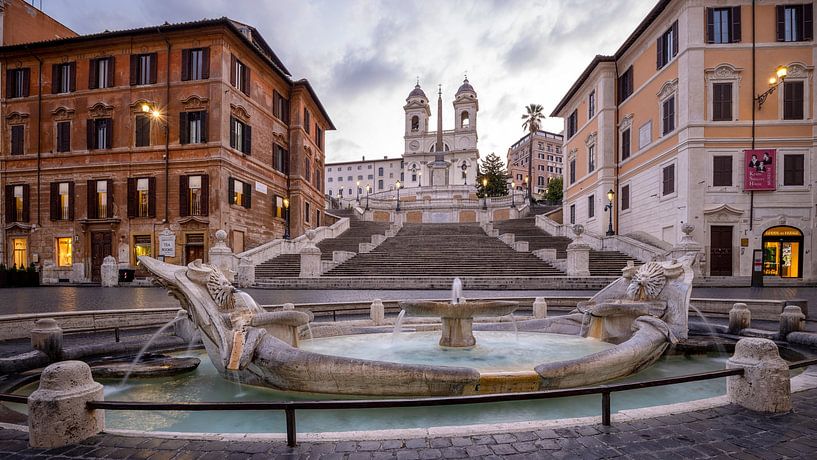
point(292, 435)
point(367, 197)
point(286, 227)
point(398, 199)
point(513, 205)
point(116, 333)
point(605, 408)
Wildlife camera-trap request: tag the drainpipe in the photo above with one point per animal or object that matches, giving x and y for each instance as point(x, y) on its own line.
point(288, 218)
point(167, 127)
point(39, 127)
point(754, 91)
point(616, 151)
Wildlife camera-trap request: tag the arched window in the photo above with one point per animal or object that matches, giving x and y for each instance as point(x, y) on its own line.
point(415, 123)
point(465, 120)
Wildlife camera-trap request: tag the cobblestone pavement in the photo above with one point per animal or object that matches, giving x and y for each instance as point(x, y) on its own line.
point(76, 298)
point(725, 432)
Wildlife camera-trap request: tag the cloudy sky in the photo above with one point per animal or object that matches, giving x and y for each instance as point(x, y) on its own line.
point(362, 56)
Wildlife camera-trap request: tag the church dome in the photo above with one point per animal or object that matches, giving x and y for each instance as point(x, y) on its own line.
point(417, 92)
point(465, 87)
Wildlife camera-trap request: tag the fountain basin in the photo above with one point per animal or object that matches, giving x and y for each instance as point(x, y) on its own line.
point(458, 319)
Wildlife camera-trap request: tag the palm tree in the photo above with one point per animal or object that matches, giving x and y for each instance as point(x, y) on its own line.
point(533, 119)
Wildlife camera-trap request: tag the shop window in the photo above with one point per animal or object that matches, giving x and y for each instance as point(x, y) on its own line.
point(141, 247)
point(20, 254)
point(783, 252)
point(64, 252)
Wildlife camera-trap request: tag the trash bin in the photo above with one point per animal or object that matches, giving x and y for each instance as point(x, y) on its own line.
point(126, 275)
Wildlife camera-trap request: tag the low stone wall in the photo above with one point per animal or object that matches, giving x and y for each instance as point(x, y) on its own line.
point(434, 282)
point(19, 326)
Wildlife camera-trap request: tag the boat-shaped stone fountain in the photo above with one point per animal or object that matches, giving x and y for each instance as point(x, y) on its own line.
point(633, 320)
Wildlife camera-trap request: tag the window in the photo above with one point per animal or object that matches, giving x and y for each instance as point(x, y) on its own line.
point(625, 197)
point(572, 124)
point(63, 136)
point(240, 75)
point(721, 101)
point(380, 171)
point(667, 46)
point(280, 159)
point(307, 121)
point(64, 252)
point(668, 115)
point(573, 171)
point(330, 179)
point(17, 203)
point(62, 201)
point(591, 158)
point(793, 100)
point(319, 137)
point(63, 77)
point(722, 171)
point(101, 73)
point(278, 211)
point(194, 195)
point(100, 133)
point(540, 181)
point(143, 69)
point(465, 120)
point(193, 127)
point(240, 193)
point(196, 64)
point(240, 136)
point(591, 105)
point(794, 23)
point(141, 247)
point(317, 218)
point(625, 85)
point(541, 167)
point(793, 169)
point(20, 246)
point(572, 213)
point(18, 82)
point(668, 180)
point(540, 145)
point(142, 197)
point(100, 199)
point(280, 107)
point(380, 184)
point(415, 123)
point(18, 139)
point(723, 25)
point(625, 144)
point(307, 209)
point(591, 206)
point(142, 131)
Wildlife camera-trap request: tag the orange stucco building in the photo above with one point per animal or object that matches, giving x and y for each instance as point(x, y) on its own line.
point(148, 141)
point(547, 161)
point(677, 107)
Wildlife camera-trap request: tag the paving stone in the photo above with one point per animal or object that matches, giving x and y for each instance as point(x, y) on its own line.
point(407, 455)
point(416, 443)
point(461, 442)
point(478, 451)
point(503, 449)
point(360, 456)
point(454, 452)
point(368, 445)
point(504, 438)
point(439, 443)
point(428, 454)
point(524, 447)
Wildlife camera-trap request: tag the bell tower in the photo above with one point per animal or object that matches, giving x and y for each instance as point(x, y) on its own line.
point(466, 106)
point(417, 113)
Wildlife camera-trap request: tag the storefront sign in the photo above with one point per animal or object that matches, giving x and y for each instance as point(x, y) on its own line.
point(759, 169)
point(167, 243)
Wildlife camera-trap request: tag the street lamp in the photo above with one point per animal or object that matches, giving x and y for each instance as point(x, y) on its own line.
point(610, 196)
point(397, 186)
point(156, 115)
point(358, 192)
point(286, 216)
point(774, 81)
point(368, 189)
point(527, 189)
point(420, 179)
point(484, 193)
point(513, 191)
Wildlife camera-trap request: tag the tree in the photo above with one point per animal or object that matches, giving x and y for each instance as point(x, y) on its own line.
point(493, 169)
point(554, 190)
point(533, 119)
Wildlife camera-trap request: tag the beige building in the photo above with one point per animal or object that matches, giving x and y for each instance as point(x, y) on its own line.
point(348, 180)
point(547, 161)
point(666, 122)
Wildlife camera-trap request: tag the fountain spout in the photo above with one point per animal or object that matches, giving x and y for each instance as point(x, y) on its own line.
point(456, 292)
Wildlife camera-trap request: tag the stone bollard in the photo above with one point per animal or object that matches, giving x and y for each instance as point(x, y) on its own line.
point(764, 385)
point(377, 312)
point(47, 337)
point(310, 258)
point(740, 317)
point(540, 308)
point(791, 320)
point(57, 414)
point(578, 259)
point(802, 303)
point(109, 272)
point(184, 328)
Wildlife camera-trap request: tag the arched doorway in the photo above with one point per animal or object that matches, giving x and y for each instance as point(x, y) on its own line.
point(783, 252)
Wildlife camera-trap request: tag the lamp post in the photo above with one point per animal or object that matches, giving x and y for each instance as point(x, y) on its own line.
point(484, 193)
point(156, 115)
point(358, 192)
point(420, 179)
point(286, 216)
point(775, 81)
point(368, 189)
point(397, 186)
point(340, 198)
point(513, 191)
point(527, 190)
point(610, 196)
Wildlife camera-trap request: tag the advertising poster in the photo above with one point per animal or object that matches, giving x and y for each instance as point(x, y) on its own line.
point(759, 169)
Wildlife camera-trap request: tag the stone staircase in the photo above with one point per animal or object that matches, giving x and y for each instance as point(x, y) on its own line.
point(289, 265)
point(424, 250)
point(602, 263)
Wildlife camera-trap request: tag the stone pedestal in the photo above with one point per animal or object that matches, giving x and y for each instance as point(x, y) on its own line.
point(740, 317)
point(540, 308)
point(246, 273)
point(109, 272)
point(377, 312)
point(47, 337)
point(310, 262)
point(221, 256)
point(688, 247)
point(578, 259)
point(791, 320)
point(457, 332)
point(764, 385)
point(57, 412)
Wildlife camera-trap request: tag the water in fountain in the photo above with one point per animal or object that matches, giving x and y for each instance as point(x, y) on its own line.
point(719, 346)
point(309, 331)
point(233, 377)
point(145, 348)
point(456, 292)
point(191, 344)
point(515, 327)
point(398, 324)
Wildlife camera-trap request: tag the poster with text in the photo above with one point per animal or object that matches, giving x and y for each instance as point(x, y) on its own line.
point(758, 169)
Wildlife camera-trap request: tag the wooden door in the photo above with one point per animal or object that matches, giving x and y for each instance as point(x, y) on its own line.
point(101, 247)
point(193, 252)
point(720, 251)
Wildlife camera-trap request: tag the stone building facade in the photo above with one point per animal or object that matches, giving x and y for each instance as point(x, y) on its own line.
point(147, 141)
point(379, 175)
point(669, 124)
point(547, 160)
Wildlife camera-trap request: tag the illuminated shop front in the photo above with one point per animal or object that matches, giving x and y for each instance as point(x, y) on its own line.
point(783, 252)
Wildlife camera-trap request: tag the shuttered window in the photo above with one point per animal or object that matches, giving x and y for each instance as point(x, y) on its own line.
point(18, 139)
point(141, 197)
point(668, 180)
point(239, 75)
point(100, 133)
point(62, 201)
point(17, 203)
point(723, 25)
point(667, 46)
point(625, 197)
point(63, 136)
point(722, 171)
point(572, 124)
point(573, 171)
point(142, 131)
point(195, 64)
point(280, 159)
point(793, 100)
point(194, 193)
point(572, 214)
point(793, 169)
point(668, 115)
point(795, 23)
point(143, 69)
point(101, 73)
point(100, 199)
point(625, 144)
point(280, 107)
point(240, 136)
point(591, 206)
point(722, 101)
point(193, 127)
point(625, 85)
point(63, 78)
point(307, 121)
point(239, 192)
point(18, 82)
